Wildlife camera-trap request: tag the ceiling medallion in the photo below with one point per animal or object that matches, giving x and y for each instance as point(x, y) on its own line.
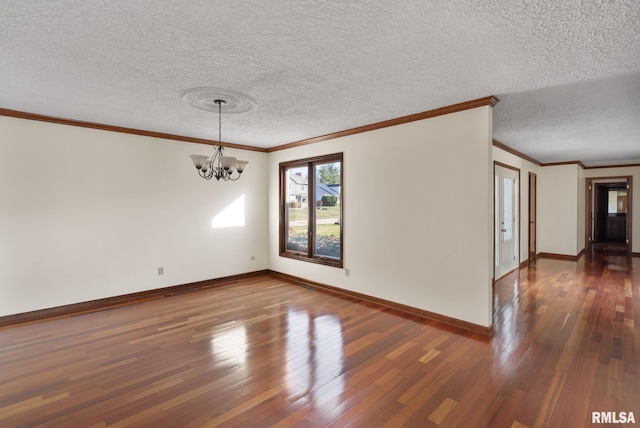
point(204, 97)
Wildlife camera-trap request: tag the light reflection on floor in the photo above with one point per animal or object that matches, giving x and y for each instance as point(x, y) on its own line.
point(314, 353)
point(231, 344)
point(508, 302)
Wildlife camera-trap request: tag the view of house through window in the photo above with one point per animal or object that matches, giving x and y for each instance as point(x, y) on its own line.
point(297, 209)
point(311, 201)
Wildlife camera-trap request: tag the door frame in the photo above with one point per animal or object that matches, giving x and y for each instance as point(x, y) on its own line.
point(533, 196)
point(518, 220)
point(590, 183)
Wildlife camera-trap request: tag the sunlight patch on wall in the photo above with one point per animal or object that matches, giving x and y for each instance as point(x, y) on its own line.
point(232, 216)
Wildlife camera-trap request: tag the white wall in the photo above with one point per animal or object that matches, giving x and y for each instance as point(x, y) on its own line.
point(619, 172)
point(525, 168)
point(87, 214)
point(417, 233)
point(558, 210)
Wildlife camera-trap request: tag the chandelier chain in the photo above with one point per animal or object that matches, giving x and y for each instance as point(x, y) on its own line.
point(219, 102)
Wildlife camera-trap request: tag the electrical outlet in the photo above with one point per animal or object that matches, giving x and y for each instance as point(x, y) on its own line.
point(347, 272)
point(253, 257)
point(160, 271)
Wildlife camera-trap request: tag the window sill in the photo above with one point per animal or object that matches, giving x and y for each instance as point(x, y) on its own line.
point(317, 260)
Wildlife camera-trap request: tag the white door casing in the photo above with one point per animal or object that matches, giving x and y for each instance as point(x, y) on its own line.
point(506, 226)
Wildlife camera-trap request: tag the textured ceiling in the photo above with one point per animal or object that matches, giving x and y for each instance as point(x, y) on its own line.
point(319, 67)
point(596, 122)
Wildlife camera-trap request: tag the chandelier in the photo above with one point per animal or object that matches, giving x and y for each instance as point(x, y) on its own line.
point(218, 165)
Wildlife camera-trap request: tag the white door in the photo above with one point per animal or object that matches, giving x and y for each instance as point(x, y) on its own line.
point(506, 226)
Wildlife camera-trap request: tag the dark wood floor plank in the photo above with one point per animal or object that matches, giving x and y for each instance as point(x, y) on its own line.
point(265, 352)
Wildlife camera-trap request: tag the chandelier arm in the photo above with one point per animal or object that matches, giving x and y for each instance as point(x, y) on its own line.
point(204, 175)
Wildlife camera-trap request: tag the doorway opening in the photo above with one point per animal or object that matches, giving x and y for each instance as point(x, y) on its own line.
point(609, 214)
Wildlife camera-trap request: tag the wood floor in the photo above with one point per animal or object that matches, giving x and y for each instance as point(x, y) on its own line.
point(264, 352)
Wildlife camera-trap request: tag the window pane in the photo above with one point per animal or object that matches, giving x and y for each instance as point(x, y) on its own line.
point(327, 220)
point(297, 209)
point(508, 208)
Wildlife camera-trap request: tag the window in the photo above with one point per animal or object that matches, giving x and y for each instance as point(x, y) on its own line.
point(311, 209)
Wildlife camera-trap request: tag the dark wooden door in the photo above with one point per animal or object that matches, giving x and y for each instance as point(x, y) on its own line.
point(600, 214)
point(533, 207)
